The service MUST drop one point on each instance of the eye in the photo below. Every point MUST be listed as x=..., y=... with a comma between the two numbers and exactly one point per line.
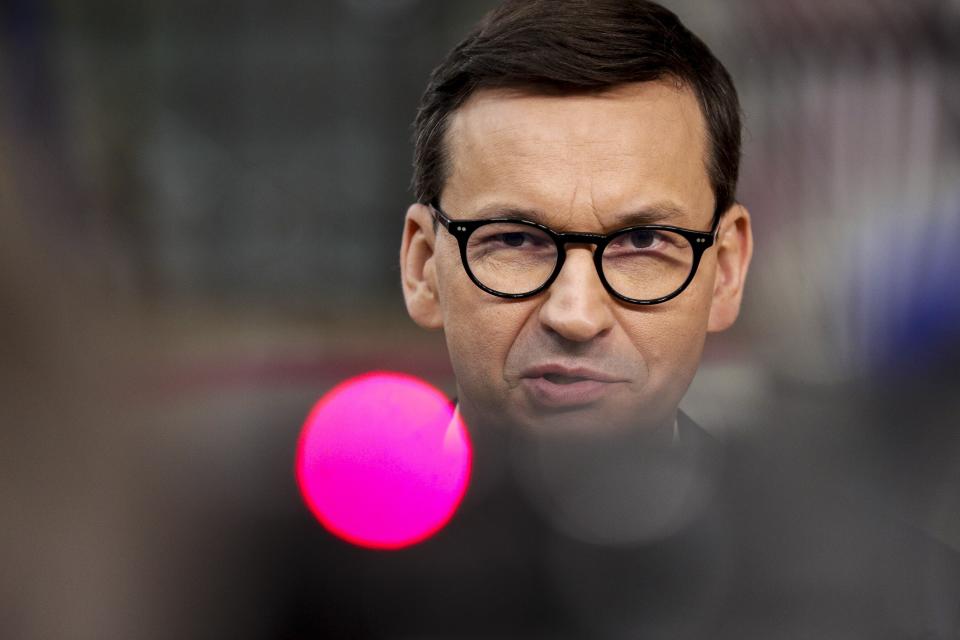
x=643, y=238
x=514, y=239
x=644, y=243
x=509, y=239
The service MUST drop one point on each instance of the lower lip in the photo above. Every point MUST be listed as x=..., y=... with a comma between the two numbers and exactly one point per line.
x=553, y=395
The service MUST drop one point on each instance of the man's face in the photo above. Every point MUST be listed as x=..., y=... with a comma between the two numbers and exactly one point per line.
x=571, y=357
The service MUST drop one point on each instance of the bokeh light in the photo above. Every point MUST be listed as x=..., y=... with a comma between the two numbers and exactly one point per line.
x=383, y=460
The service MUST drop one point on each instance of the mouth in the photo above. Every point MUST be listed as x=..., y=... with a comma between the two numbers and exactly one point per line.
x=559, y=378
x=560, y=387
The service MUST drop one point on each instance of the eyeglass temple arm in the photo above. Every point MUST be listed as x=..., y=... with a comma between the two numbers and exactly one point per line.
x=438, y=214
x=715, y=230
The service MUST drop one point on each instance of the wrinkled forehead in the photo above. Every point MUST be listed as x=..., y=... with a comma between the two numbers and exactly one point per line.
x=573, y=154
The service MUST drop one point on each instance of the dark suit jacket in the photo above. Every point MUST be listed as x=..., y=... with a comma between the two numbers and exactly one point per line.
x=692, y=433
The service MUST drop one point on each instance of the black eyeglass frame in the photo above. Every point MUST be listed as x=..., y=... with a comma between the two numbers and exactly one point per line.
x=700, y=241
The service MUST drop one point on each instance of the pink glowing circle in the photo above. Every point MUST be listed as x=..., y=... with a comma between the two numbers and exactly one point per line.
x=383, y=460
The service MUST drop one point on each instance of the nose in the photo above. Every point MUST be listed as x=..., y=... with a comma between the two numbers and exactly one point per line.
x=577, y=306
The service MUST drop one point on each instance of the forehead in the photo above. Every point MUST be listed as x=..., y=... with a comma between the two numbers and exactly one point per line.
x=581, y=159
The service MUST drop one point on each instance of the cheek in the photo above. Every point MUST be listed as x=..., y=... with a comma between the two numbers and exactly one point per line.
x=479, y=328
x=671, y=337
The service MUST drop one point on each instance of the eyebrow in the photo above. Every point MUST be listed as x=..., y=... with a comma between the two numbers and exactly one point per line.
x=656, y=213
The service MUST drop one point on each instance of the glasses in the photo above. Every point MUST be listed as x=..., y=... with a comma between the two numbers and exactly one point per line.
x=644, y=264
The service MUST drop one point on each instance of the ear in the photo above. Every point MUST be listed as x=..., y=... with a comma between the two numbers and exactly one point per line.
x=734, y=250
x=418, y=272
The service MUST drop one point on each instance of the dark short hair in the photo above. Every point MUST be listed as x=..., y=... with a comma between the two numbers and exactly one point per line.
x=578, y=46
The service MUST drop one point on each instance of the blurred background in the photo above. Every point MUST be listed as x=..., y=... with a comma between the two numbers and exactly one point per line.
x=200, y=213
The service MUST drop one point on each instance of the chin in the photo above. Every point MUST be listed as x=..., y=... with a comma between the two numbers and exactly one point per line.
x=520, y=413
x=595, y=420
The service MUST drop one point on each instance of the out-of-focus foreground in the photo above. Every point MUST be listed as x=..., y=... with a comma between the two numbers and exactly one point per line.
x=200, y=209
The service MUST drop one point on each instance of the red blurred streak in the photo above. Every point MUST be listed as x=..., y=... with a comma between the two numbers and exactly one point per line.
x=246, y=373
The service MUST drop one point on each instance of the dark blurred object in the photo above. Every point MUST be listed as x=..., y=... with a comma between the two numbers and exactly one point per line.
x=790, y=539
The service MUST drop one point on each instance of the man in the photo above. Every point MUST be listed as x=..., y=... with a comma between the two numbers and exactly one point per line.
x=576, y=233
x=576, y=236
